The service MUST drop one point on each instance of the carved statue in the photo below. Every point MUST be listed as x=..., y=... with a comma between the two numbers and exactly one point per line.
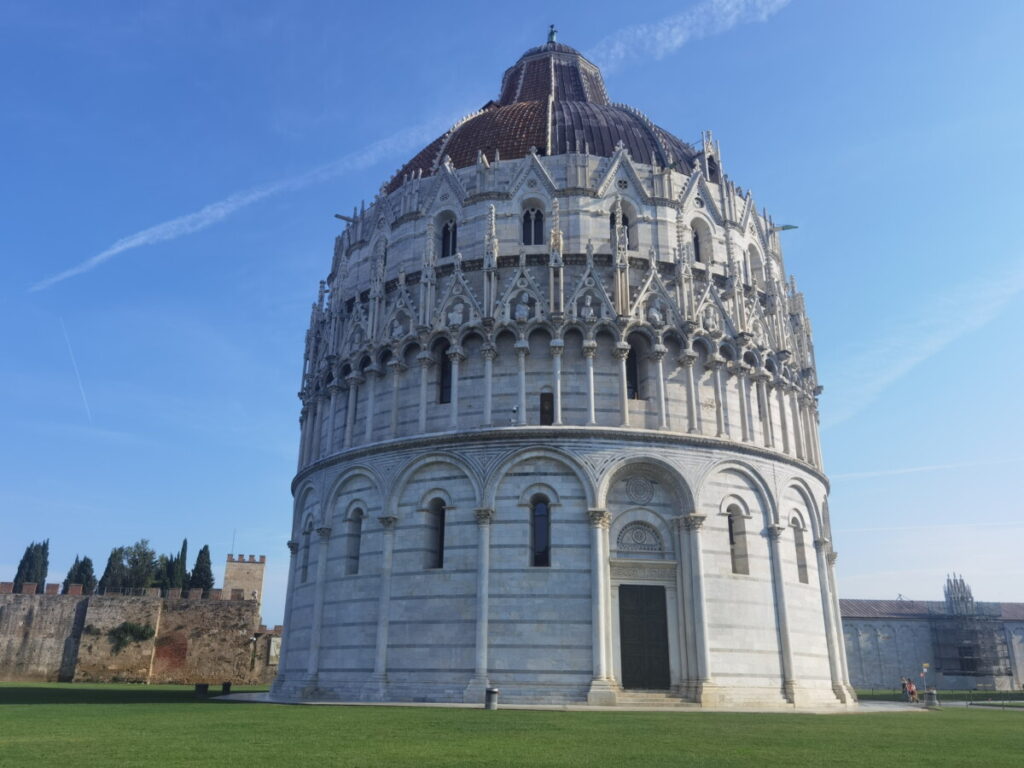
x=523, y=308
x=587, y=310
x=709, y=319
x=397, y=331
x=455, y=314
x=654, y=316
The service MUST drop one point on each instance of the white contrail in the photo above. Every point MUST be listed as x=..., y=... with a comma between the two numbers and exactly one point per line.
x=911, y=340
x=403, y=141
x=78, y=376
x=660, y=38
x=926, y=468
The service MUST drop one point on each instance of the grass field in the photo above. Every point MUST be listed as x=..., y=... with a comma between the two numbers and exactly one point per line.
x=131, y=725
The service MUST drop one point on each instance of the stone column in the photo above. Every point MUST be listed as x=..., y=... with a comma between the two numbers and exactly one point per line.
x=372, y=374
x=687, y=360
x=425, y=362
x=764, y=406
x=621, y=353
x=831, y=638
x=782, y=616
x=522, y=350
x=475, y=690
x=489, y=353
x=303, y=434
x=557, y=347
x=703, y=682
x=658, y=353
x=798, y=438
x=376, y=690
x=455, y=355
x=397, y=369
x=715, y=366
x=781, y=397
x=317, y=424
x=333, y=389
x=316, y=630
x=282, y=673
x=831, y=558
x=746, y=433
x=353, y=380
x=602, y=690
x=686, y=620
x=589, y=351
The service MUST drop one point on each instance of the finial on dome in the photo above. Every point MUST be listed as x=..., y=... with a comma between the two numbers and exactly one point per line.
x=552, y=33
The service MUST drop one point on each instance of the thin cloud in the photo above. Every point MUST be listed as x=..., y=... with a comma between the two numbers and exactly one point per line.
x=213, y=213
x=661, y=38
x=926, y=468
x=911, y=340
x=78, y=376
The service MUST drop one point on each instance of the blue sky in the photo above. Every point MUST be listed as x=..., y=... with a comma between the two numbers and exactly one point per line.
x=170, y=171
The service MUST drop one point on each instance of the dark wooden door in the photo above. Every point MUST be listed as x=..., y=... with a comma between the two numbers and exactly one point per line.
x=643, y=637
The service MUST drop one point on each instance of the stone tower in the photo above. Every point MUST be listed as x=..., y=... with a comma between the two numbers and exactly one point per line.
x=559, y=426
x=244, y=575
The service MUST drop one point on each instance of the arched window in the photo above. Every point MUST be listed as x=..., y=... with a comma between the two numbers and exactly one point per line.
x=540, y=531
x=533, y=227
x=697, y=254
x=354, y=540
x=701, y=239
x=449, y=239
x=444, y=374
x=801, y=554
x=435, y=534
x=737, y=541
x=306, y=535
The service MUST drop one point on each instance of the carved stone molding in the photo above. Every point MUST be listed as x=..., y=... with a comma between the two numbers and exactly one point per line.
x=775, y=531
x=599, y=517
x=387, y=522
x=324, y=533
x=641, y=571
x=484, y=515
x=821, y=543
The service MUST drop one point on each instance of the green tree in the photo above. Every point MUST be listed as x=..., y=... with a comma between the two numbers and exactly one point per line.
x=181, y=576
x=115, y=575
x=34, y=565
x=140, y=565
x=81, y=572
x=202, y=573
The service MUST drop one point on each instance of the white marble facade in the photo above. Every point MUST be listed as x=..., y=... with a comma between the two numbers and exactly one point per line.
x=653, y=389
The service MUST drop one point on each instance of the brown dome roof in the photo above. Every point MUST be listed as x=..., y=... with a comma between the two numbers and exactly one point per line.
x=580, y=118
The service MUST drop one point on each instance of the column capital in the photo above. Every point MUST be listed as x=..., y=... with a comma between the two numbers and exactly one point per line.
x=484, y=515
x=324, y=532
x=387, y=522
x=293, y=547
x=557, y=347
x=622, y=350
x=775, y=531
x=691, y=522
x=396, y=365
x=488, y=352
x=599, y=518
x=426, y=359
x=821, y=543
x=354, y=380
x=455, y=353
x=687, y=358
x=589, y=349
x=522, y=348
x=832, y=557
x=658, y=352
x=375, y=369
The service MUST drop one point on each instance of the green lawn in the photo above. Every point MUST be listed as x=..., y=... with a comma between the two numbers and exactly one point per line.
x=128, y=725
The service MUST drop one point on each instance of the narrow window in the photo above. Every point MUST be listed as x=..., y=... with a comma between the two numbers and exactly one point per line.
x=697, y=255
x=533, y=227
x=547, y=408
x=540, y=532
x=353, y=540
x=449, y=239
x=633, y=375
x=801, y=554
x=737, y=542
x=444, y=377
x=624, y=223
x=435, y=523
x=305, y=552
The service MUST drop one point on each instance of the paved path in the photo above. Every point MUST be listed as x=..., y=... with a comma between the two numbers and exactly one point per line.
x=865, y=708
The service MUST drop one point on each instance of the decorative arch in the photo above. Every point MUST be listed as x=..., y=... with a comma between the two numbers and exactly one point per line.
x=702, y=240
x=661, y=468
x=358, y=470
x=301, y=503
x=540, y=488
x=751, y=474
x=497, y=474
x=813, y=513
x=402, y=481
x=638, y=538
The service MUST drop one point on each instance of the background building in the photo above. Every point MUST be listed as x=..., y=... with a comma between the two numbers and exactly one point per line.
x=559, y=426
x=966, y=644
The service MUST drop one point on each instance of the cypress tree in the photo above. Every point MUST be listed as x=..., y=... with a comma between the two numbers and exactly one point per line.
x=86, y=576
x=72, y=577
x=181, y=576
x=115, y=575
x=34, y=565
x=202, y=573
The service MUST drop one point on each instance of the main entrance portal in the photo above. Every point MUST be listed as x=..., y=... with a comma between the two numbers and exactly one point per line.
x=643, y=637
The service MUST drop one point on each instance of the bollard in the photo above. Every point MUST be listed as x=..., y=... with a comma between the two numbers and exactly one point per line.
x=931, y=699
x=491, y=698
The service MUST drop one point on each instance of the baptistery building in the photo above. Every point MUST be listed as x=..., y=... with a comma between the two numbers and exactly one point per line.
x=559, y=427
